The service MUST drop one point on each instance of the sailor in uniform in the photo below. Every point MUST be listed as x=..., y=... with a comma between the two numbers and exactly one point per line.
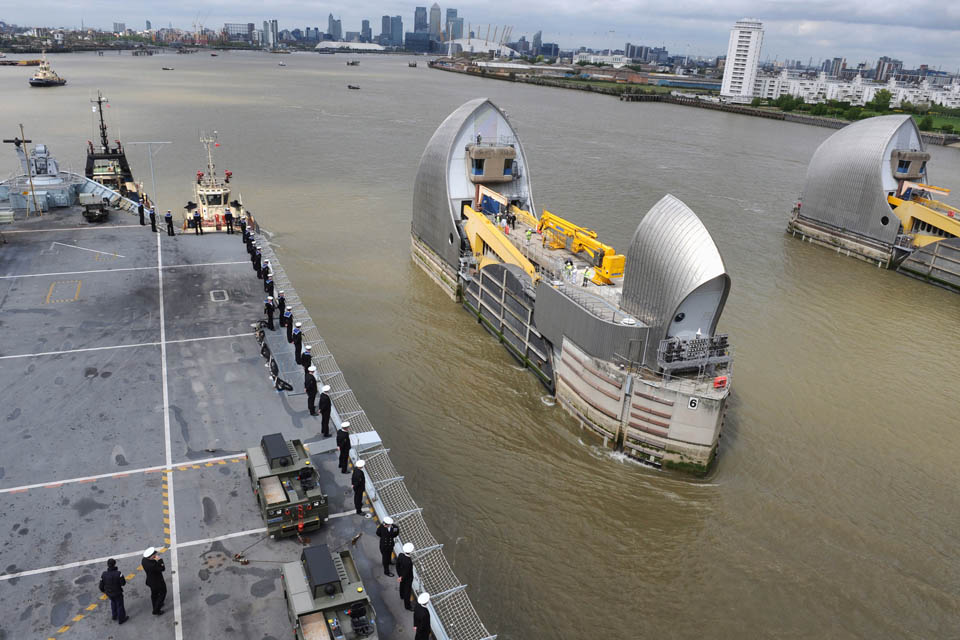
x=257, y=266
x=310, y=386
x=153, y=568
x=421, y=617
x=281, y=308
x=197, y=223
x=324, y=405
x=153, y=220
x=292, y=327
x=228, y=218
x=359, y=482
x=140, y=211
x=405, y=573
x=243, y=224
x=168, y=218
x=343, y=443
x=268, y=308
x=387, y=532
x=306, y=358
x=268, y=285
x=266, y=269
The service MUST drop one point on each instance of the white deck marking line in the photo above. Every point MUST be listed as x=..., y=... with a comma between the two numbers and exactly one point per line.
x=125, y=346
x=73, y=246
x=248, y=532
x=340, y=515
x=97, y=228
x=175, y=571
x=76, y=273
x=70, y=565
x=117, y=474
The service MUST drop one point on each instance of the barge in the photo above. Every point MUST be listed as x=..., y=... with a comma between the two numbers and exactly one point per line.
x=627, y=343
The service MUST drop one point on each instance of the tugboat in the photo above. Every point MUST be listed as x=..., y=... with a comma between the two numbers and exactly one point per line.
x=108, y=165
x=45, y=76
x=212, y=193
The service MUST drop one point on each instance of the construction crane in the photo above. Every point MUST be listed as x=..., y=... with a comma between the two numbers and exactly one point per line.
x=607, y=263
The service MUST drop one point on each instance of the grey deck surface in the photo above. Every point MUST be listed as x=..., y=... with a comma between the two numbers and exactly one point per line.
x=83, y=442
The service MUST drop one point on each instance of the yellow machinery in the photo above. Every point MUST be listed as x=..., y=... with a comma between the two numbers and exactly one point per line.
x=925, y=220
x=607, y=263
x=490, y=246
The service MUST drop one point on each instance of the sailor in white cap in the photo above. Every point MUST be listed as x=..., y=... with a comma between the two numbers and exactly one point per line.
x=343, y=442
x=153, y=570
x=405, y=574
x=421, y=617
x=325, y=411
x=295, y=336
x=387, y=532
x=310, y=386
x=359, y=482
x=306, y=358
x=281, y=307
x=257, y=261
x=268, y=308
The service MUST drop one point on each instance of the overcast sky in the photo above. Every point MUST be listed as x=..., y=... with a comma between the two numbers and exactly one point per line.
x=915, y=31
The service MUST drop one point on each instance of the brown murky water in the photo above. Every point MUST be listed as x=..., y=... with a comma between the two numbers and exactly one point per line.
x=833, y=510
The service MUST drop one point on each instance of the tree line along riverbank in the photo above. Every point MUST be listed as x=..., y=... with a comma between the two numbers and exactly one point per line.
x=656, y=93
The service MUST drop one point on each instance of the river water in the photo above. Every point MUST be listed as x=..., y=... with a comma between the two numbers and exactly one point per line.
x=833, y=510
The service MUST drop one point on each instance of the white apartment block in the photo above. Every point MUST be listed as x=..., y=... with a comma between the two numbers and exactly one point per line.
x=616, y=61
x=743, y=59
x=858, y=91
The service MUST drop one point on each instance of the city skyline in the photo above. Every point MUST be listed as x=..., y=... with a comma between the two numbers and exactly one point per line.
x=795, y=30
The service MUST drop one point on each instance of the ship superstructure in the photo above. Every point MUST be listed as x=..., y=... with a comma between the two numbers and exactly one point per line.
x=628, y=343
x=868, y=195
x=106, y=163
x=212, y=193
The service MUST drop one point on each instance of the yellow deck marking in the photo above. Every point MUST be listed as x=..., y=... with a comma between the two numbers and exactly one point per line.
x=53, y=285
x=62, y=629
x=92, y=607
x=77, y=618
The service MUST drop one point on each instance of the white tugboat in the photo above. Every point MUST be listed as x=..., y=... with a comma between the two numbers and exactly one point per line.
x=212, y=194
x=45, y=76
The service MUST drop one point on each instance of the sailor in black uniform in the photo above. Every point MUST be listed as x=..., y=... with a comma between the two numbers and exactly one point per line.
x=324, y=405
x=197, y=223
x=228, y=218
x=268, y=308
x=111, y=585
x=359, y=482
x=153, y=569
x=310, y=386
x=243, y=224
x=257, y=266
x=140, y=211
x=268, y=285
x=267, y=271
x=281, y=308
x=405, y=573
x=306, y=358
x=343, y=443
x=168, y=218
x=387, y=532
x=297, y=338
x=153, y=220
x=292, y=327
x=248, y=240
x=421, y=617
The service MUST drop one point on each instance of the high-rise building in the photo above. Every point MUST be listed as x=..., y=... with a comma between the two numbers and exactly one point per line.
x=366, y=34
x=887, y=68
x=435, y=20
x=396, y=31
x=334, y=29
x=537, y=43
x=837, y=67
x=420, y=24
x=238, y=31
x=274, y=34
x=149, y=26
x=450, y=17
x=385, y=31
x=743, y=59
x=119, y=27
x=454, y=28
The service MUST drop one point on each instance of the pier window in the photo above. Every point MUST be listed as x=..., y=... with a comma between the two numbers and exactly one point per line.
x=478, y=166
x=508, y=167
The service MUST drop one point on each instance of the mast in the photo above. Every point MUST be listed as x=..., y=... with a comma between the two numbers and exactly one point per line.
x=209, y=143
x=105, y=144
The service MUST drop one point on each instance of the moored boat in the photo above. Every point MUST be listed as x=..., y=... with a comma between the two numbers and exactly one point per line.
x=212, y=194
x=106, y=163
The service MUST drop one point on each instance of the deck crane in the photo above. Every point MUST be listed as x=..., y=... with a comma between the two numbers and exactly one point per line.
x=607, y=263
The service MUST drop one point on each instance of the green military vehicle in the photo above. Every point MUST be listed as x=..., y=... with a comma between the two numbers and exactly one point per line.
x=287, y=487
x=325, y=597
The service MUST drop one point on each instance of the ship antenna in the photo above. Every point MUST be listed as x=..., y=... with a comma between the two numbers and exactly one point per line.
x=209, y=142
x=103, y=125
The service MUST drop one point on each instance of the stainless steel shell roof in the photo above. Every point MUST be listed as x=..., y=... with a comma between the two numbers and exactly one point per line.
x=671, y=254
x=845, y=178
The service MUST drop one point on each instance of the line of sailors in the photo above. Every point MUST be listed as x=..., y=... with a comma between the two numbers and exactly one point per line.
x=388, y=530
x=197, y=220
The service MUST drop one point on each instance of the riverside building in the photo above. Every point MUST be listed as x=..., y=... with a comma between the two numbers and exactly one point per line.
x=743, y=58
